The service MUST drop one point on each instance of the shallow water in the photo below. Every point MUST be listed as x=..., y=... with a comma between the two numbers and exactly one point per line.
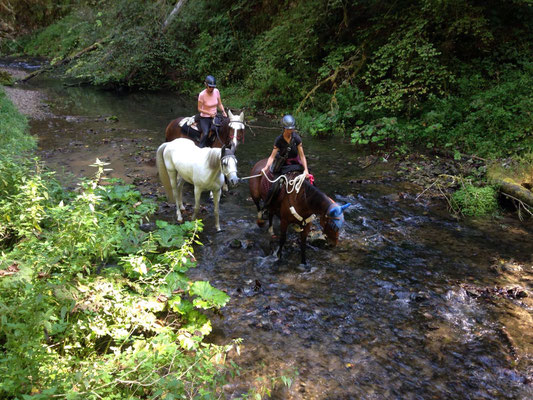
x=391, y=313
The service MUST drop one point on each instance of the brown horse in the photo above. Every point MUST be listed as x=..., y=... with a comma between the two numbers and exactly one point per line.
x=229, y=133
x=294, y=206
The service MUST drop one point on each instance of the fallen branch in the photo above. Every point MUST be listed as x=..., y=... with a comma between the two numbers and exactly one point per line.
x=516, y=192
x=65, y=60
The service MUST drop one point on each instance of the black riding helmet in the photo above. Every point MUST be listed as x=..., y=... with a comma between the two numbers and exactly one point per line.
x=210, y=81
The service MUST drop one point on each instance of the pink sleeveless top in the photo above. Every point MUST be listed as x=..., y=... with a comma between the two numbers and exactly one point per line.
x=210, y=101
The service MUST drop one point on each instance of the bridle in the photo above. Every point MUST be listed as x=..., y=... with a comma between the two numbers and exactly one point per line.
x=236, y=126
x=224, y=161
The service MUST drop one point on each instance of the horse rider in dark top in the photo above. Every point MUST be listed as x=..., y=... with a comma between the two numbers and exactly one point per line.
x=208, y=102
x=287, y=155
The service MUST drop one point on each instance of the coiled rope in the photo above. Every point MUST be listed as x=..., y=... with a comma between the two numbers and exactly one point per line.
x=296, y=183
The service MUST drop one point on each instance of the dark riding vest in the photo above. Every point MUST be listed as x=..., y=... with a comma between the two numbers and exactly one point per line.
x=287, y=152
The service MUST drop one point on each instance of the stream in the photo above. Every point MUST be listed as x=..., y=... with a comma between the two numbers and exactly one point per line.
x=412, y=303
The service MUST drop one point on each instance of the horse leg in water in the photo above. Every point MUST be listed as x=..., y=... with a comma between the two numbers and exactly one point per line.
x=197, y=196
x=270, y=225
x=179, y=203
x=283, y=225
x=176, y=192
x=303, y=242
x=216, y=202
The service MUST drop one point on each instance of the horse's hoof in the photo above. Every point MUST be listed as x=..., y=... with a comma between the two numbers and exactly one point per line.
x=220, y=230
x=260, y=222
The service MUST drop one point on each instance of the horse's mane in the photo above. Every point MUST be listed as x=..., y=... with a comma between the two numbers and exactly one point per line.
x=316, y=198
x=213, y=158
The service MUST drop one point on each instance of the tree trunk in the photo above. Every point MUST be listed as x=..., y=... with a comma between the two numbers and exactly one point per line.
x=173, y=13
x=516, y=191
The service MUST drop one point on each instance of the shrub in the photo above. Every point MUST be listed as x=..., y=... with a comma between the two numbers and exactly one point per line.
x=91, y=307
x=474, y=201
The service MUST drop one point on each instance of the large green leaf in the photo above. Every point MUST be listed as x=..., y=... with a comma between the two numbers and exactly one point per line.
x=208, y=295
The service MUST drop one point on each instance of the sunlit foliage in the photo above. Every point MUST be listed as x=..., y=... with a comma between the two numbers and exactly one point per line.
x=91, y=306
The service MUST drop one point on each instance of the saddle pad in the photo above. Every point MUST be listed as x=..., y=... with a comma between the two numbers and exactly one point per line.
x=265, y=184
x=189, y=121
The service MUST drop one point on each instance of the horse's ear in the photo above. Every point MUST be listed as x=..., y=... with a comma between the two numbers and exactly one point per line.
x=241, y=116
x=230, y=113
x=344, y=207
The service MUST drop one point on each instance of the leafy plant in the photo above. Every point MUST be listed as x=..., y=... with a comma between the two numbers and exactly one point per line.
x=91, y=307
x=474, y=201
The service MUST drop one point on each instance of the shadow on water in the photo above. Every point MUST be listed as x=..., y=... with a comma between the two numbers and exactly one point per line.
x=391, y=313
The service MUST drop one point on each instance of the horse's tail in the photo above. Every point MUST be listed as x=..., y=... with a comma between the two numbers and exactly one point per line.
x=163, y=173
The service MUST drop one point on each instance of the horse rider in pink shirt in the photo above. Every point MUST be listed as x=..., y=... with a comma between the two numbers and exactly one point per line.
x=208, y=102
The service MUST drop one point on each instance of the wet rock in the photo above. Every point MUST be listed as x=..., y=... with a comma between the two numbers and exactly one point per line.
x=419, y=297
x=235, y=244
x=317, y=238
x=247, y=244
x=148, y=227
x=509, y=267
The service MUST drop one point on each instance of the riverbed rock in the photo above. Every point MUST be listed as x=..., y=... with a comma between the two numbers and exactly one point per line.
x=317, y=238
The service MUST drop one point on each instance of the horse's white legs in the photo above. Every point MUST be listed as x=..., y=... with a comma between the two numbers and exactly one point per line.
x=197, y=196
x=181, y=182
x=172, y=174
x=216, y=201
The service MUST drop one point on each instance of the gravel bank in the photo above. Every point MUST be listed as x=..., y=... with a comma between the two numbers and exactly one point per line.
x=29, y=102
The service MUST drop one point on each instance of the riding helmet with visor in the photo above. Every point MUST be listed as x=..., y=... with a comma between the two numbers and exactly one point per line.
x=288, y=122
x=210, y=81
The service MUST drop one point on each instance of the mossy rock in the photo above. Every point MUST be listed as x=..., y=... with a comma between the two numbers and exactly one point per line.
x=6, y=79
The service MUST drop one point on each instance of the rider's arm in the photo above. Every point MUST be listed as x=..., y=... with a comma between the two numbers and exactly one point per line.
x=270, y=159
x=201, y=107
x=221, y=106
x=303, y=160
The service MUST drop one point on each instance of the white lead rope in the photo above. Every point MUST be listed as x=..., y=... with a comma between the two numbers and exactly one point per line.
x=296, y=183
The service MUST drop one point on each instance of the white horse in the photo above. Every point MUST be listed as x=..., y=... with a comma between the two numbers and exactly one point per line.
x=182, y=161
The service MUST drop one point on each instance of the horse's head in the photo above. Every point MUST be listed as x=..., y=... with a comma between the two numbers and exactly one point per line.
x=228, y=162
x=332, y=222
x=236, y=127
